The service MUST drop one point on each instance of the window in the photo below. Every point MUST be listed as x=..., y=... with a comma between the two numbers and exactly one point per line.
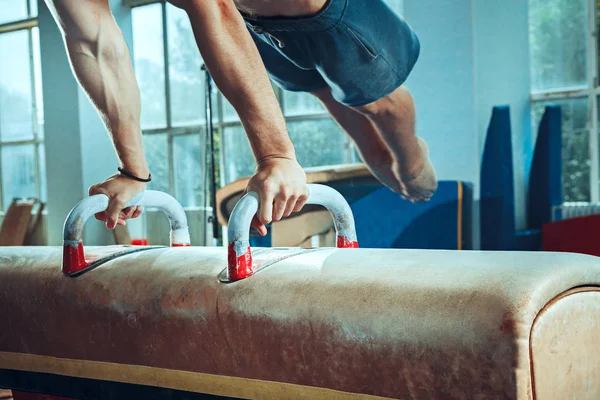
x=172, y=86
x=563, y=49
x=22, y=165
x=317, y=139
x=167, y=65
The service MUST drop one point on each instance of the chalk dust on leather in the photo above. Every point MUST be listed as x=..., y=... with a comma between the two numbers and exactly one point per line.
x=360, y=322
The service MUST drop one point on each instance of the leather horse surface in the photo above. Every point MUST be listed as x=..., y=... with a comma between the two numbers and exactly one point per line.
x=326, y=323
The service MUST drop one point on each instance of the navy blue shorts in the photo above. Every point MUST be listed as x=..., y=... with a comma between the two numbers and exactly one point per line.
x=361, y=49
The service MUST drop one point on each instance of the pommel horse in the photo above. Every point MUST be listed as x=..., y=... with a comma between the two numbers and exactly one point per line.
x=182, y=322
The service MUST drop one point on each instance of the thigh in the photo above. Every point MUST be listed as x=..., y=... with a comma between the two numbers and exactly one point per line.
x=284, y=72
x=368, y=54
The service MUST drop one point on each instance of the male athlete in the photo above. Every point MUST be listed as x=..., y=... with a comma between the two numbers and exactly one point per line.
x=353, y=55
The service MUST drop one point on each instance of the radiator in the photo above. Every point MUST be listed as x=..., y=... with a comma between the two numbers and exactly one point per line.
x=574, y=210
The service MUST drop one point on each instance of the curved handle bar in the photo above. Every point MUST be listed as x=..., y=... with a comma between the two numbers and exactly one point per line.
x=239, y=256
x=73, y=255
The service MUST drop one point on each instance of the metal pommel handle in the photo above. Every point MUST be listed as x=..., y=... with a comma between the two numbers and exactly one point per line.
x=73, y=256
x=239, y=255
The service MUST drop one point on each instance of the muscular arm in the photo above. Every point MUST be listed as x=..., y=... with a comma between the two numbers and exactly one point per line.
x=101, y=63
x=235, y=64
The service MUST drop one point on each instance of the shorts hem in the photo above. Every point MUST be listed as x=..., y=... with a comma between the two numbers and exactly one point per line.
x=372, y=99
x=310, y=89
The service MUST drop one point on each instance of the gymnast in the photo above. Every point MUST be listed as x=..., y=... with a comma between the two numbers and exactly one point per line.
x=353, y=55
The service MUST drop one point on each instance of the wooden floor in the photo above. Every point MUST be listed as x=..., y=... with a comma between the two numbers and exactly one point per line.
x=5, y=394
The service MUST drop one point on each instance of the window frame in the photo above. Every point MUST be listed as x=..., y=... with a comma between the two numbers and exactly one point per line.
x=219, y=124
x=28, y=24
x=591, y=91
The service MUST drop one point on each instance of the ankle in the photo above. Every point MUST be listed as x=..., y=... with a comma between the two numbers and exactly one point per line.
x=413, y=163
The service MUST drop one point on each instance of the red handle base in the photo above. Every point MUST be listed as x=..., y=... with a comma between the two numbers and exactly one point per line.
x=73, y=259
x=344, y=243
x=239, y=266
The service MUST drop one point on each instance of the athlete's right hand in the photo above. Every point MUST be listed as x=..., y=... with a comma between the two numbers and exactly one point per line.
x=281, y=187
x=120, y=190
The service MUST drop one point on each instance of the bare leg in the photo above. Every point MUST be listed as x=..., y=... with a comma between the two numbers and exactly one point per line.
x=394, y=119
x=362, y=131
x=384, y=163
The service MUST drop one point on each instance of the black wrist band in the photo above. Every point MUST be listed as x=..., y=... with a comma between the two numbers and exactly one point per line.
x=129, y=175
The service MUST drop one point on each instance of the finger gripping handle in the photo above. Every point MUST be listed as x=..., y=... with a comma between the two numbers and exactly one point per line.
x=73, y=254
x=239, y=256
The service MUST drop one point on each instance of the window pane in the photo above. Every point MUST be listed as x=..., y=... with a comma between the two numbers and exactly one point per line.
x=18, y=172
x=598, y=133
x=15, y=87
x=238, y=159
x=215, y=95
x=42, y=172
x=12, y=10
x=149, y=64
x=229, y=113
x=558, y=43
x=185, y=77
x=596, y=35
x=157, y=153
x=37, y=70
x=317, y=142
x=575, y=146
x=33, y=8
x=296, y=103
x=190, y=179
